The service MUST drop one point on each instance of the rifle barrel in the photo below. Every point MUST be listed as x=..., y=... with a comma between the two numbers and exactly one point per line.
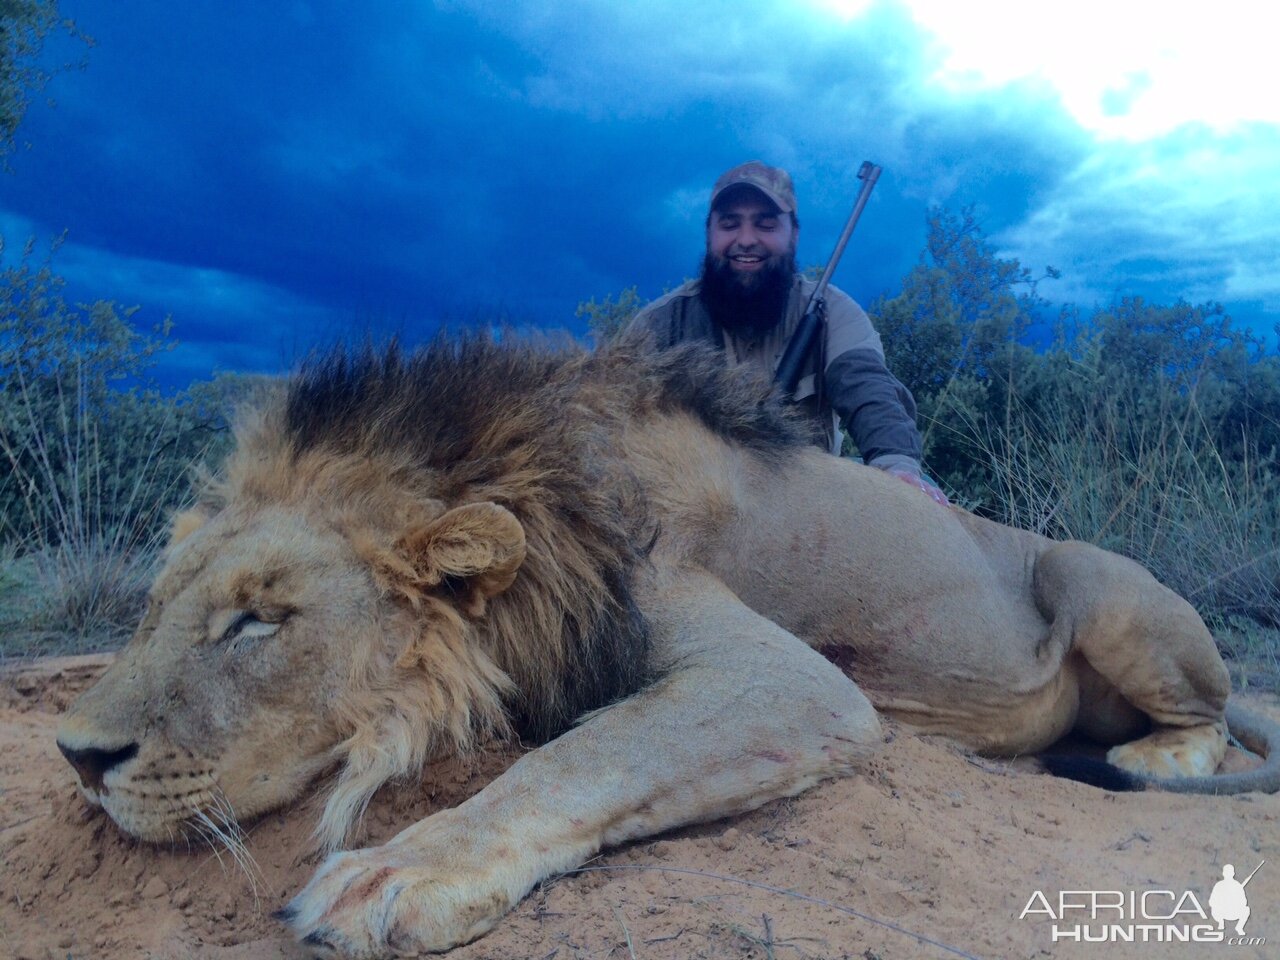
x=787, y=375
x=868, y=173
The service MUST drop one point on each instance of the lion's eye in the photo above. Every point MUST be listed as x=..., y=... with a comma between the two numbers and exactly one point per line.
x=249, y=626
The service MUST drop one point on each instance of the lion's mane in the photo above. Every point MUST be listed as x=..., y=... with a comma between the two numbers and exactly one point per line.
x=533, y=427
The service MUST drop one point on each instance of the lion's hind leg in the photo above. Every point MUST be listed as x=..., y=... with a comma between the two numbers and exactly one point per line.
x=1147, y=652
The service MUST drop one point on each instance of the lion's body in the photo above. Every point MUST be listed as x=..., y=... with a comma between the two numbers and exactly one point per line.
x=956, y=636
x=405, y=554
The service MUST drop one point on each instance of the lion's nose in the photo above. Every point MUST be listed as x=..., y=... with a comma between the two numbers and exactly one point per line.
x=93, y=764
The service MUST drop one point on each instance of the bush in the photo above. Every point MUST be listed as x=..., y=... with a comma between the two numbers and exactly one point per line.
x=607, y=317
x=95, y=461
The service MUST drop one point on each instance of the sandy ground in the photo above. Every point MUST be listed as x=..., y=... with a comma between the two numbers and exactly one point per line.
x=929, y=854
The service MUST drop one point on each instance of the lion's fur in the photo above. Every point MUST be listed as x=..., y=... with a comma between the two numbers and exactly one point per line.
x=472, y=534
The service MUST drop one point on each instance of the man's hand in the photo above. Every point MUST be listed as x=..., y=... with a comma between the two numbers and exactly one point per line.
x=921, y=483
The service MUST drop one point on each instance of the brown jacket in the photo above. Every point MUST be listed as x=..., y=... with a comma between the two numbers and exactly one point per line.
x=856, y=389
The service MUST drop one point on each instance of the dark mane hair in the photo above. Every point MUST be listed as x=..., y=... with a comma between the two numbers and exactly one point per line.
x=528, y=425
x=439, y=402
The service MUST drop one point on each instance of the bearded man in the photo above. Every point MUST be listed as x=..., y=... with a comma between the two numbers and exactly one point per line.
x=748, y=301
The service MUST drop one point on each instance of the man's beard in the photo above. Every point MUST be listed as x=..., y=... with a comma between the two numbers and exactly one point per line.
x=747, y=304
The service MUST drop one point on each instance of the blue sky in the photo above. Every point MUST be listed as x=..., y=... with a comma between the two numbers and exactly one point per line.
x=279, y=175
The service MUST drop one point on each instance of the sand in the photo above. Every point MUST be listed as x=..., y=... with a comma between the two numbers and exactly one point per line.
x=929, y=853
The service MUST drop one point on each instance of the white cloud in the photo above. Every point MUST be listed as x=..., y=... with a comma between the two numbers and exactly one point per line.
x=1197, y=213
x=1124, y=69
x=687, y=206
x=178, y=287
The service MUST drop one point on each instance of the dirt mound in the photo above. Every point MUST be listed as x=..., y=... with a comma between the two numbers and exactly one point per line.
x=929, y=854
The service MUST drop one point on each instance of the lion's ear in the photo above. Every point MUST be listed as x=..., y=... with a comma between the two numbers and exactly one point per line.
x=471, y=552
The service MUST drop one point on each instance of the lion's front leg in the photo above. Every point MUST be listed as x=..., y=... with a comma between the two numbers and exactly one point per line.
x=742, y=713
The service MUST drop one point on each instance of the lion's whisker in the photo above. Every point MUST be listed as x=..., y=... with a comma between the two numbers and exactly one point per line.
x=200, y=824
x=231, y=834
x=221, y=833
x=218, y=838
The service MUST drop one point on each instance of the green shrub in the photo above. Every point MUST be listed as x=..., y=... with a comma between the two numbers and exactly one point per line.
x=95, y=461
x=607, y=317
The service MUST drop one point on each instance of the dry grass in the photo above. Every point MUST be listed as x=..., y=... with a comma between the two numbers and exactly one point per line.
x=1153, y=487
x=82, y=540
x=66, y=600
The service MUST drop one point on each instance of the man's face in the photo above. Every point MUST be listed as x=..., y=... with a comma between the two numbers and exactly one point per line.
x=747, y=237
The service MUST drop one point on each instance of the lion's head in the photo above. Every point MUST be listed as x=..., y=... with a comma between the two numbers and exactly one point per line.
x=402, y=554
x=281, y=642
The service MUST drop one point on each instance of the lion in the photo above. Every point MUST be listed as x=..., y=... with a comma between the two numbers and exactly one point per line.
x=633, y=559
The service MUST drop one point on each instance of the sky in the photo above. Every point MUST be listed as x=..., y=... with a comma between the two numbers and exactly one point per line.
x=277, y=176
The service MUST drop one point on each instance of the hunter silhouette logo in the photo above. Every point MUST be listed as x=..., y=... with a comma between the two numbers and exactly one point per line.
x=1228, y=900
x=1148, y=916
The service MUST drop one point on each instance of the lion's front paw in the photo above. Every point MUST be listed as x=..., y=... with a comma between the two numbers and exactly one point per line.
x=1172, y=752
x=391, y=901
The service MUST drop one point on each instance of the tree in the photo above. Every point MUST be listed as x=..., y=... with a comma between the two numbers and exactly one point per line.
x=608, y=316
x=87, y=448
x=24, y=26
x=954, y=336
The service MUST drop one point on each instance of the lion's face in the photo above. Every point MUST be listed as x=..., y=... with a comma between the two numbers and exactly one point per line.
x=277, y=645
x=229, y=684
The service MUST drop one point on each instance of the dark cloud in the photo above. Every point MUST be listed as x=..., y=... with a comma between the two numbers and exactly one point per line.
x=310, y=169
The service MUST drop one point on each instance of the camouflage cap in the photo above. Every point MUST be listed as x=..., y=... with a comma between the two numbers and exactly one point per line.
x=773, y=182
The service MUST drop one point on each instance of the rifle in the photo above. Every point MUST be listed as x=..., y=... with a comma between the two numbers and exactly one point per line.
x=787, y=376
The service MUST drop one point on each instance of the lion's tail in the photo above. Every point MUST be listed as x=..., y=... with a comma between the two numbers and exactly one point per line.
x=1254, y=731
